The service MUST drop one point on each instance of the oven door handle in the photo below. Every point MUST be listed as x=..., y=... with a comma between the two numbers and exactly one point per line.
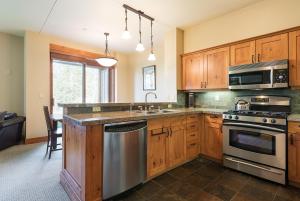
x=255, y=166
x=253, y=126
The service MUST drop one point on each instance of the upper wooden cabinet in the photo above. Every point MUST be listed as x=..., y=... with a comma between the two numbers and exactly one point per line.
x=294, y=58
x=272, y=48
x=192, y=71
x=243, y=53
x=262, y=50
x=216, y=64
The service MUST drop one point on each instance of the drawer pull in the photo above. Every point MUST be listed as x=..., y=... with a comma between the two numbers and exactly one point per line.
x=193, y=135
x=193, y=144
x=163, y=131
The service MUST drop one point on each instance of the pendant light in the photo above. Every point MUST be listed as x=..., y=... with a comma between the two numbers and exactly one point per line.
x=106, y=61
x=126, y=34
x=151, y=56
x=140, y=46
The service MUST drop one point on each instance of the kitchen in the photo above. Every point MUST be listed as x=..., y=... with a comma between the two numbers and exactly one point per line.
x=207, y=112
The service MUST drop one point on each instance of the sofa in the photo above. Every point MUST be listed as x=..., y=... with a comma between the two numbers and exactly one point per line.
x=11, y=127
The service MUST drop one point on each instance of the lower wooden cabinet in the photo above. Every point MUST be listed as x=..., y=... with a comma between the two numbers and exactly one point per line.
x=294, y=152
x=166, y=141
x=212, y=137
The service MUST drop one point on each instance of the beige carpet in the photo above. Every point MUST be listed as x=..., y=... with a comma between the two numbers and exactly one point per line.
x=27, y=175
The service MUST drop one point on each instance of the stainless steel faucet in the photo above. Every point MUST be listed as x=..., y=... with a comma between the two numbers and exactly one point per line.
x=146, y=98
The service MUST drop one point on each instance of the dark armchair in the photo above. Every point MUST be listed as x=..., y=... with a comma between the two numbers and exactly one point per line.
x=11, y=127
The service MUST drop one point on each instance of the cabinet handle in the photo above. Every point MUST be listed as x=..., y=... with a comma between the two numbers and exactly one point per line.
x=193, y=135
x=171, y=132
x=253, y=58
x=292, y=139
x=258, y=57
x=193, y=144
x=201, y=84
x=205, y=84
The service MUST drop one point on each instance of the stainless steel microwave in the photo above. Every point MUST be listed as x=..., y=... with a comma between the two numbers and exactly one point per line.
x=262, y=75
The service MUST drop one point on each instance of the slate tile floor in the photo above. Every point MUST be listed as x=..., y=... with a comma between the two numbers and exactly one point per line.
x=203, y=180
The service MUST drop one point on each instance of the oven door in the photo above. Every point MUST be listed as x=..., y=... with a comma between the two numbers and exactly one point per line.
x=250, y=80
x=255, y=144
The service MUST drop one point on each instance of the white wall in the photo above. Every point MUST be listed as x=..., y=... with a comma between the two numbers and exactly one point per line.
x=11, y=73
x=257, y=19
x=37, y=77
x=168, y=67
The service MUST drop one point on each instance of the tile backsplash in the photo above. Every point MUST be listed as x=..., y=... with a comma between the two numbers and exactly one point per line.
x=225, y=99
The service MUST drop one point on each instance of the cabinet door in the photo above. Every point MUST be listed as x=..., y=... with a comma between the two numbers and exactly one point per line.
x=243, y=53
x=216, y=64
x=294, y=58
x=157, y=152
x=192, y=71
x=294, y=157
x=213, y=140
x=177, y=144
x=272, y=48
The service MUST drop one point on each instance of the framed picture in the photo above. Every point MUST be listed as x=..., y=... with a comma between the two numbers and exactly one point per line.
x=149, y=78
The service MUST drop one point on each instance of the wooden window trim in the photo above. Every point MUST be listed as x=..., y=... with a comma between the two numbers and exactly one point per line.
x=86, y=58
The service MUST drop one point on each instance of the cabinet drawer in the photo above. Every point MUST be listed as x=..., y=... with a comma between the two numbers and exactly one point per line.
x=154, y=124
x=294, y=127
x=212, y=118
x=192, y=127
x=175, y=121
x=192, y=150
x=192, y=118
x=192, y=136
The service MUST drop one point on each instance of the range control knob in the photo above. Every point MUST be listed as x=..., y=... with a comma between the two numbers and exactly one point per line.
x=273, y=121
x=229, y=116
x=264, y=120
x=236, y=117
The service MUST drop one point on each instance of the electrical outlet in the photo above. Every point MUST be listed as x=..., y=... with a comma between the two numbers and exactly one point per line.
x=96, y=109
x=217, y=98
x=169, y=105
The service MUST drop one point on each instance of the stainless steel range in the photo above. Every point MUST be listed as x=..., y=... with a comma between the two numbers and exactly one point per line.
x=255, y=137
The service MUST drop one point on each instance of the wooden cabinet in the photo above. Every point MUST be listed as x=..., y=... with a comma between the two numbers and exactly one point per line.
x=166, y=144
x=294, y=152
x=272, y=48
x=216, y=63
x=243, y=53
x=192, y=71
x=212, y=138
x=262, y=50
x=193, y=129
x=294, y=58
x=176, y=146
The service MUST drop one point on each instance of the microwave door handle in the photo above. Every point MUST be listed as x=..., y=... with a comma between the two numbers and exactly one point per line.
x=271, y=76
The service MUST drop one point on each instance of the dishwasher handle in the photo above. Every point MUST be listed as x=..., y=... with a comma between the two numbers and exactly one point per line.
x=125, y=127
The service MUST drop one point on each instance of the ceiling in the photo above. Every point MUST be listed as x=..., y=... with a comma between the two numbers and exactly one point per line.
x=85, y=21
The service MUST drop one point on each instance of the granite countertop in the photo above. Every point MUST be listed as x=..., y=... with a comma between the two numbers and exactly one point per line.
x=112, y=117
x=294, y=117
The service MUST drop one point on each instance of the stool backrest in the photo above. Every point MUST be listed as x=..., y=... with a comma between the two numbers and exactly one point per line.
x=47, y=118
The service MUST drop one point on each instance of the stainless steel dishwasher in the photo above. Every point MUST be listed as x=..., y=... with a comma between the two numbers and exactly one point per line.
x=124, y=157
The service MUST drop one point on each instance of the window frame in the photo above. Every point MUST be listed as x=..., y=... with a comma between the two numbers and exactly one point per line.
x=86, y=62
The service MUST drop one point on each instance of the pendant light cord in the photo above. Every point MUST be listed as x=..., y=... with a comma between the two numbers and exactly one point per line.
x=126, y=29
x=140, y=22
x=106, y=44
x=151, y=37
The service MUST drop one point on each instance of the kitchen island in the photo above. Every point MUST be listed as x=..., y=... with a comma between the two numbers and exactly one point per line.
x=81, y=174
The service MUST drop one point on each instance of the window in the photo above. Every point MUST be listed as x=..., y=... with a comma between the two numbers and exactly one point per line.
x=77, y=82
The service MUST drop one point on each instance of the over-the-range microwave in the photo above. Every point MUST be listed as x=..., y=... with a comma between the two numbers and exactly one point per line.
x=264, y=75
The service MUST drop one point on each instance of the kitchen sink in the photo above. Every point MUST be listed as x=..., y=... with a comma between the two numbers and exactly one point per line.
x=155, y=111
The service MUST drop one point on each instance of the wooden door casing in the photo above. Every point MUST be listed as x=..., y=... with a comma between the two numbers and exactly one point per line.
x=272, y=48
x=294, y=58
x=243, y=53
x=216, y=63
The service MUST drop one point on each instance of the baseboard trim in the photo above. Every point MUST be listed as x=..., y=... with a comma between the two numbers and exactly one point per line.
x=36, y=140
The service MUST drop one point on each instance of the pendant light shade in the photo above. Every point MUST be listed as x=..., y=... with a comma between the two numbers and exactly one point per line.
x=126, y=34
x=151, y=57
x=106, y=61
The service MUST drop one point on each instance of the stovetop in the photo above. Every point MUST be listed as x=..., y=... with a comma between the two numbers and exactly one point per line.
x=254, y=113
